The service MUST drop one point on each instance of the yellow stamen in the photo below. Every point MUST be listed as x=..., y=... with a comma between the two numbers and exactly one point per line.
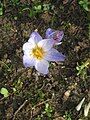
x=38, y=52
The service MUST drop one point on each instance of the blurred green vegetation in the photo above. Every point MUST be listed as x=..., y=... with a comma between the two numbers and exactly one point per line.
x=85, y=4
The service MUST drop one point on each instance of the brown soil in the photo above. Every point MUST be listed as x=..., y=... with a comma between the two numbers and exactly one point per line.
x=61, y=88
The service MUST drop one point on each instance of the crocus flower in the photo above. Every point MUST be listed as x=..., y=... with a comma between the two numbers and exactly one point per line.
x=56, y=35
x=38, y=51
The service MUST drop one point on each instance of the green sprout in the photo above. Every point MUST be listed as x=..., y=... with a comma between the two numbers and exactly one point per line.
x=48, y=110
x=46, y=7
x=38, y=118
x=7, y=67
x=85, y=4
x=41, y=95
x=15, y=2
x=67, y=116
x=4, y=92
x=82, y=69
x=1, y=9
x=37, y=8
x=17, y=86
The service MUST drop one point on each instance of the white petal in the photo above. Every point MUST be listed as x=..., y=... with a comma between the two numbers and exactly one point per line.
x=35, y=38
x=42, y=66
x=27, y=46
x=28, y=61
x=47, y=44
x=54, y=55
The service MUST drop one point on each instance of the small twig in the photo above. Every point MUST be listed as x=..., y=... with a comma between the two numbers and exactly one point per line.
x=2, y=99
x=32, y=108
x=40, y=104
x=19, y=109
x=37, y=105
x=1, y=62
x=39, y=25
x=32, y=71
x=42, y=86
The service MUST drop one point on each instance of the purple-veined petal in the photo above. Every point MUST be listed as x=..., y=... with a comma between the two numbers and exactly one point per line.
x=42, y=66
x=35, y=37
x=57, y=35
x=48, y=32
x=54, y=55
x=28, y=61
x=46, y=44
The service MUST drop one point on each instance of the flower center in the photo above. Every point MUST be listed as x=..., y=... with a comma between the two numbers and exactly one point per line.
x=38, y=52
